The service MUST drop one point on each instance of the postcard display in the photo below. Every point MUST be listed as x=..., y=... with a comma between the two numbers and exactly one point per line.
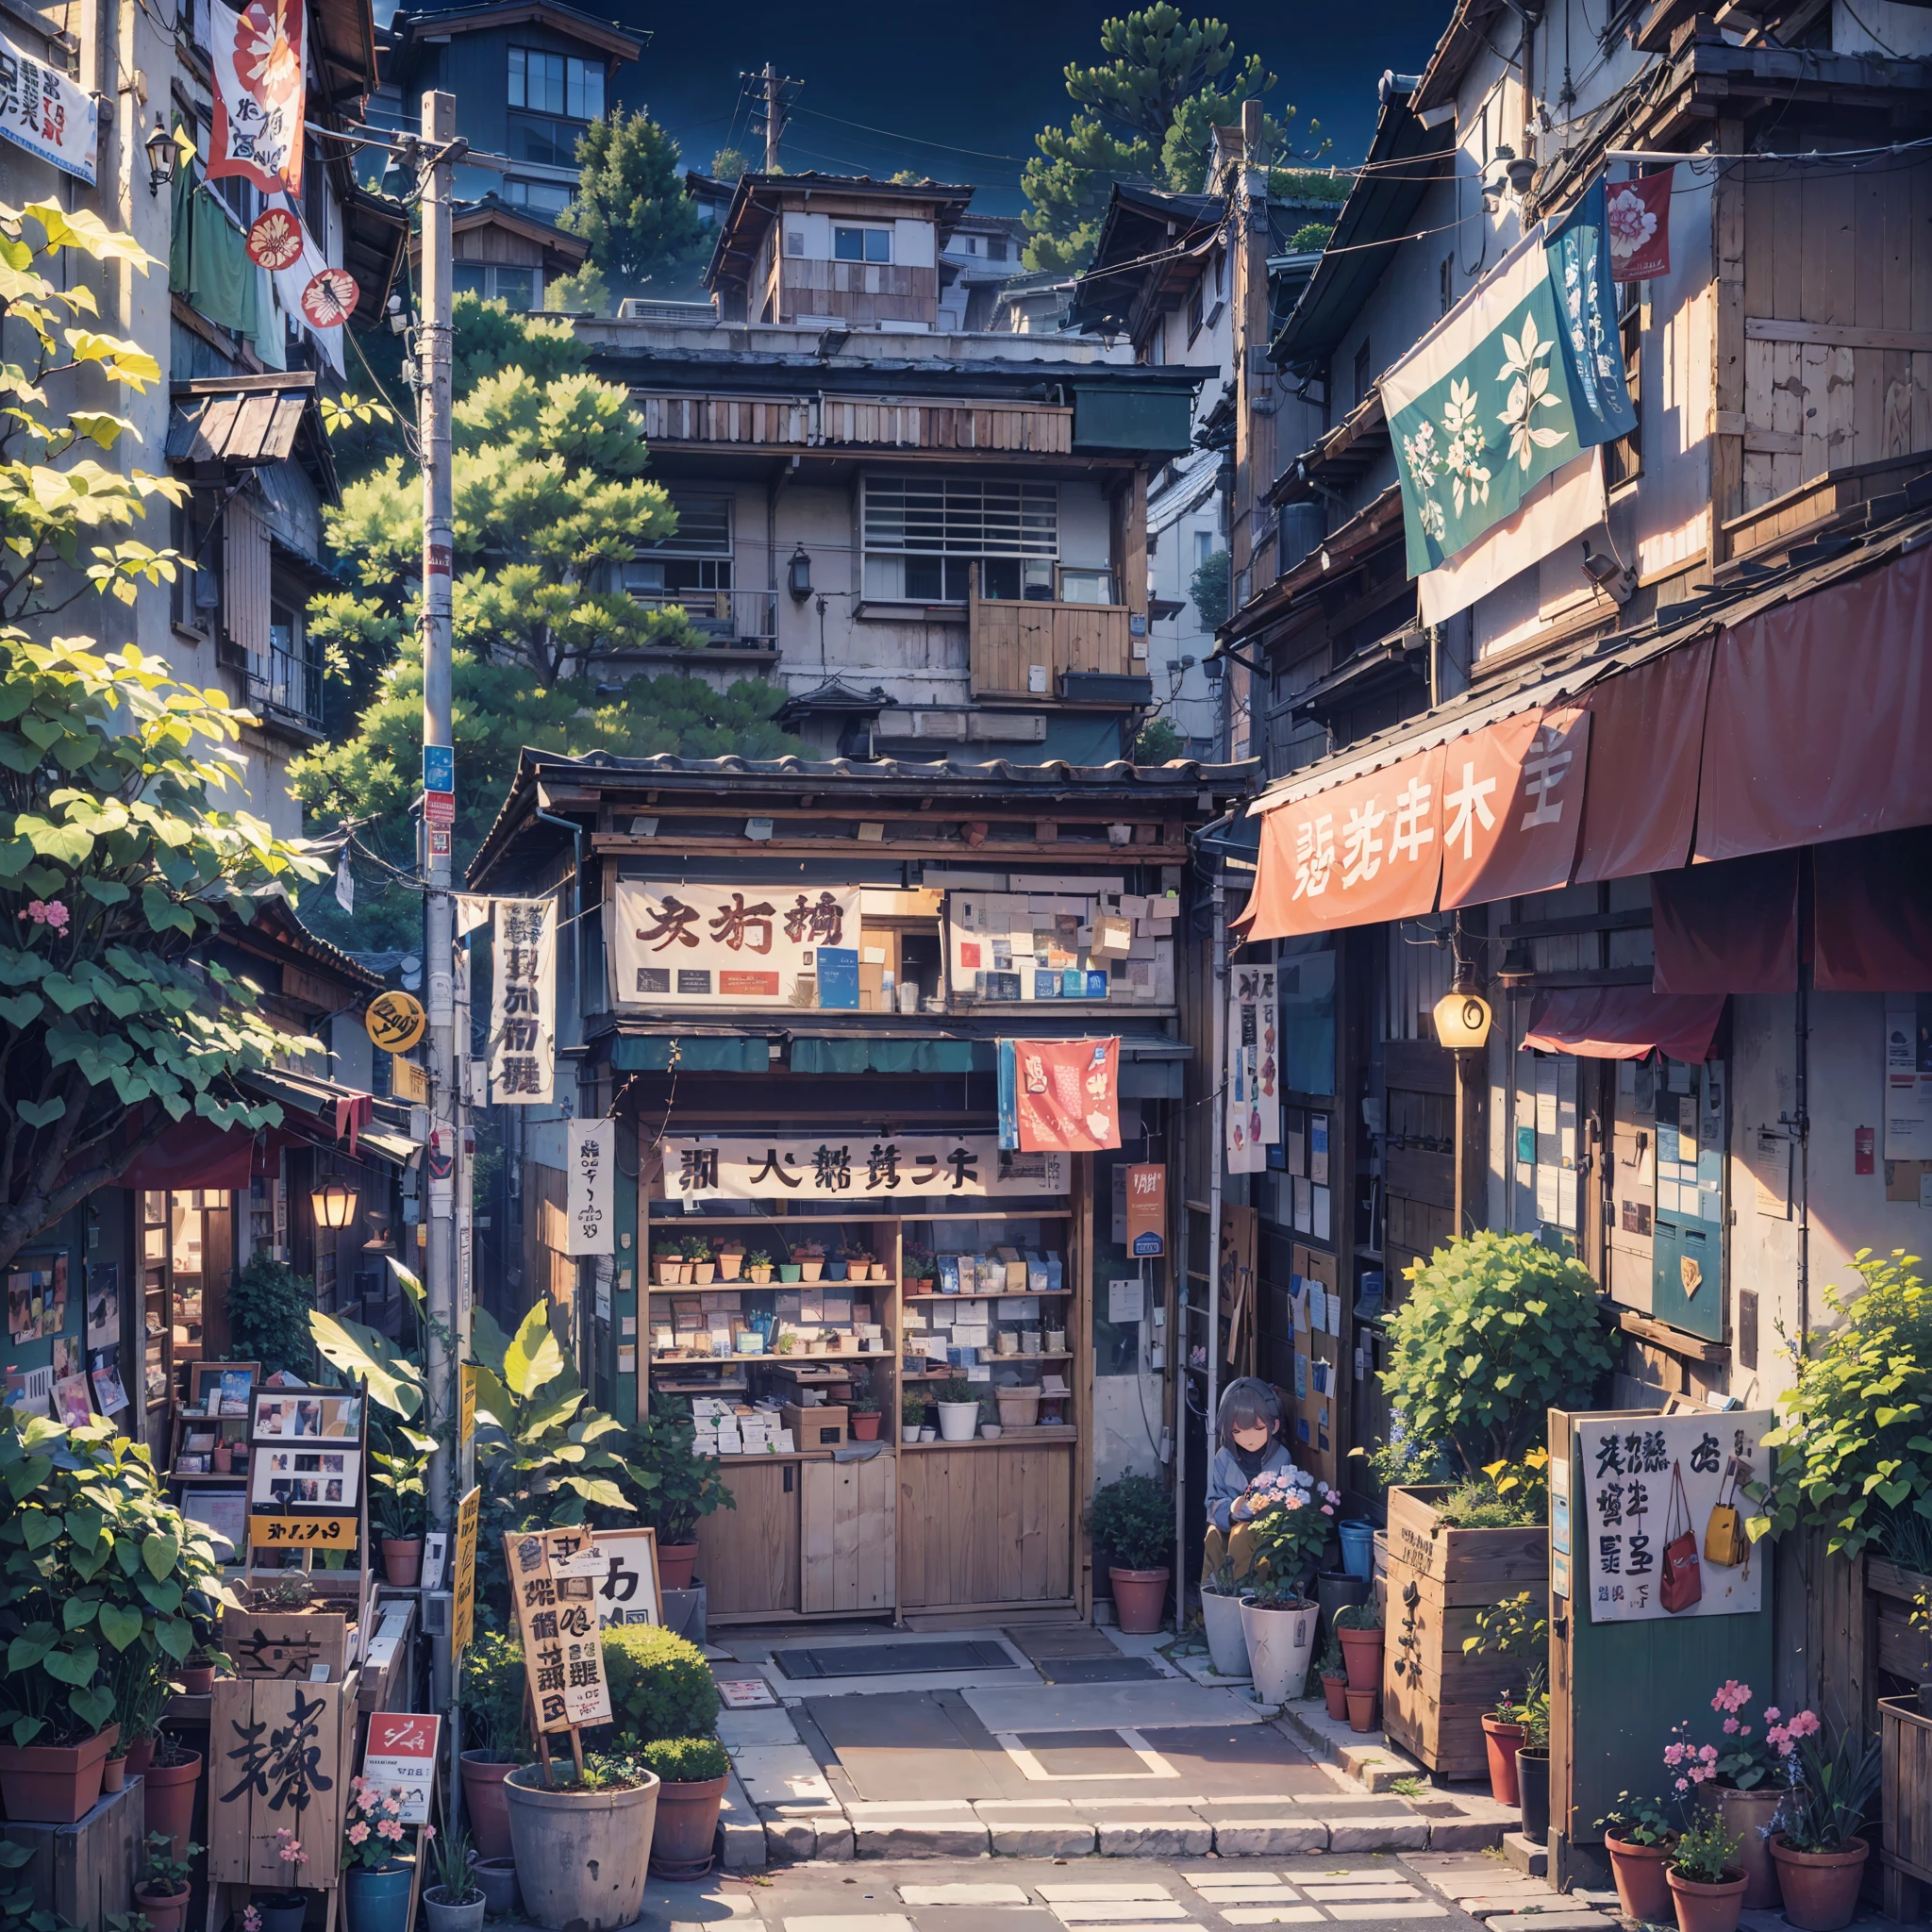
x=63, y=1334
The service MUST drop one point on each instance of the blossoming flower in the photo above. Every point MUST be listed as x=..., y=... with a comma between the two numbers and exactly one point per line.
x=358, y=1833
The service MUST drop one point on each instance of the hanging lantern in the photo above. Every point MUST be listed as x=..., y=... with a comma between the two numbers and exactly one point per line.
x=334, y=1203
x=1462, y=1015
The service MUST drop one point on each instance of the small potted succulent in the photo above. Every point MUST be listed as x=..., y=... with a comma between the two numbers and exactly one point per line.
x=810, y=1258
x=990, y=1427
x=669, y=1259
x=1638, y=1835
x=959, y=1409
x=163, y=1890
x=456, y=1902
x=698, y=1255
x=836, y=1265
x=730, y=1258
x=693, y=1773
x=757, y=1265
x=784, y=1342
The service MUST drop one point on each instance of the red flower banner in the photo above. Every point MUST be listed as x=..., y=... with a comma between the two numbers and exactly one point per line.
x=1060, y=1095
x=1639, y=216
x=260, y=59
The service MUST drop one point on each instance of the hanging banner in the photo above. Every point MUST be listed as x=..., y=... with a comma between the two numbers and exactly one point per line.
x=46, y=113
x=1060, y=1095
x=768, y=1167
x=522, y=1003
x=1253, y=1107
x=590, y=1171
x=1147, y=1211
x=1525, y=372
x=1665, y=1534
x=735, y=946
x=1638, y=214
x=260, y=61
x=1512, y=795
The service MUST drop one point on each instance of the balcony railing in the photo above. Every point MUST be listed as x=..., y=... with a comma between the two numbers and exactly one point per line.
x=1022, y=649
x=286, y=686
x=744, y=619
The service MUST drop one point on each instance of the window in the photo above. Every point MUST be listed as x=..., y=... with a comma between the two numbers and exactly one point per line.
x=555, y=84
x=1204, y=547
x=1196, y=306
x=923, y=534
x=520, y=288
x=541, y=197
x=861, y=245
x=795, y=242
x=995, y=250
x=1087, y=586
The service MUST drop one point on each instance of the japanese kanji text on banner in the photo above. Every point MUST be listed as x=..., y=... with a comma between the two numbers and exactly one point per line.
x=855, y=1167
x=730, y=946
x=554, y=1575
x=523, y=1003
x=590, y=1152
x=260, y=61
x=1254, y=1068
x=46, y=113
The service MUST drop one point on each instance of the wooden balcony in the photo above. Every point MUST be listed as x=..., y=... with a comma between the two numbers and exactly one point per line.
x=675, y=419
x=1024, y=650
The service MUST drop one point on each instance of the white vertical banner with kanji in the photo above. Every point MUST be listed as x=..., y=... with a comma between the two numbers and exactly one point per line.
x=589, y=1164
x=523, y=1003
x=261, y=62
x=1254, y=1068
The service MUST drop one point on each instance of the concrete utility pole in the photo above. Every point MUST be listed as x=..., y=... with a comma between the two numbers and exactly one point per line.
x=443, y=1158
x=775, y=85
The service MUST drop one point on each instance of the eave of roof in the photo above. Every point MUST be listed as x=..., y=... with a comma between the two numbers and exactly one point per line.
x=345, y=47
x=1372, y=527
x=1145, y=237
x=415, y=27
x=948, y=201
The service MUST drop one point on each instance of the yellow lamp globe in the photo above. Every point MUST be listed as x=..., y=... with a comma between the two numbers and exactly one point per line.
x=1462, y=1018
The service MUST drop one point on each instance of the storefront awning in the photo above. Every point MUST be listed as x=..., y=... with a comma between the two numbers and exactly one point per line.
x=195, y=1153
x=863, y=1056
x=1623, y=1023
x=652, y=1054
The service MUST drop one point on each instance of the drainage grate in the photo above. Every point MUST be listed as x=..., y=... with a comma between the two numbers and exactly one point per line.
x=894, y=1659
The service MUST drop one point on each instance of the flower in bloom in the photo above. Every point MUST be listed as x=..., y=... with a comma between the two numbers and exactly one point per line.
x=46, y=912
x=358, y=1833
x=1805, y=1724
x=1731, y=1696
x=389, y=1829
x=1730, y=1726
x=1674, y=1754
x=1772, y=1713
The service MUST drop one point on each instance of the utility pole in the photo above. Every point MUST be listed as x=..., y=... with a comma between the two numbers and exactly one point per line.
x=772, y=85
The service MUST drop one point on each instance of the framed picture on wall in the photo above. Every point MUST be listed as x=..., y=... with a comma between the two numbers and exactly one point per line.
x=229, y=1385
x=325, y=1477
x=288, y=1414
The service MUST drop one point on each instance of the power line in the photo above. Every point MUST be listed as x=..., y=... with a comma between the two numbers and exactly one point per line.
x=918, y=140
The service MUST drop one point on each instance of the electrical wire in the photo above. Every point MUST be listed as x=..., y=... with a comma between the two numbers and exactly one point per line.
x=918, y=140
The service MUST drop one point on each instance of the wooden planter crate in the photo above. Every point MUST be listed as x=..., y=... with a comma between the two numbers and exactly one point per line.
x=84, y=1873
x=1433, y=1696
x=1905, y=1738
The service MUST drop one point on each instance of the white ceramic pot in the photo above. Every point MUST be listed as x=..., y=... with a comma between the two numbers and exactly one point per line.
x=990, y=1432
x=958, y=1421
x=928, y=1434
x=1227, y=1641
x=1280, y=1643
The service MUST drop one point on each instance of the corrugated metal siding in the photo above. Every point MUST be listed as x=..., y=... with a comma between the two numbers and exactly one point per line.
x=245, y=576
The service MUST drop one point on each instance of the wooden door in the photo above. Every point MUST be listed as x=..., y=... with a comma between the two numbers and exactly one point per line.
x=748, y=1556
x=1418, y=1155
x=847, y=1520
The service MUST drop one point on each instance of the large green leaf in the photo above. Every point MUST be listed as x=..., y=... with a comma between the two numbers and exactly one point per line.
x=120, y=1625
x=534, y=1358
x=393, y=1383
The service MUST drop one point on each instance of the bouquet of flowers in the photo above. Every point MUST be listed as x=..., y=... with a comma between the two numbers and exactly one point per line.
x=373, y=1831
x=1292, y=1520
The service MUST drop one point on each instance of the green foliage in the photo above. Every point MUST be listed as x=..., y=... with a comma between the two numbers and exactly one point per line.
x=1132, y=1519
x=452, y=1852
x=671, y=1488
x=1157, y=742
x=913, y=1410
x=728, y=163
x=493, y=1698
x=105, y=1581
x=660, y=1685
x=1366, y=1615
x=1638, y=1821
x=584, y=293
x=399, y=1487
x=1211, y=586
x=1497, y=1328
x=1149, y=109
x=954, y=1389
x=492, y=337
x=1503, y=1496
x=1705, y=1849
x=166, y=1875
x=1855, y=1443
x=1826, y=1807
x=686, y=1760
x=1310, y=237
x=630, y=205
x=1403, y=1459
x=1517, y=1628
x=269, y=1306
x=1302, y=185
x=1331, y=1663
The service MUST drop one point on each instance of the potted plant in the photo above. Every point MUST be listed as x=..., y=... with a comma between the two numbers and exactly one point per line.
x=913, y=1410
x=1221, y=1590
x=164, y=1887
x=199, y=1673
x=1132, y=1520
x=698, y=1255
x=1816, y=1842
x=583, y=1843
x=757, y=1264
x=1359, y=1629
x=1707, y=1884
x=989, y=1419
x=491, y=1694
x=1742, y=1779
x=168, y=1788
x=456, y=1903
x=674, y=1488
x=399, y=1504
x=1533, y=1767
x=919, y=1271
x=865, y=1428
x=1333, y=1675
x=789, y=1270
x=1290, y=1520
x=692, y=1773
x=836, y=1264
x=669, y=1258
x=730, y=1260
x=810, y=1258
x=660, y=1685
x=376, y=1881
x=277, y=1911
x=1638, y=1835
x=959, y=1409
x=1517, y=1628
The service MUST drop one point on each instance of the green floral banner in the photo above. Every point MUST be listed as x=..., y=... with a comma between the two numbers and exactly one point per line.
x=1518, y=379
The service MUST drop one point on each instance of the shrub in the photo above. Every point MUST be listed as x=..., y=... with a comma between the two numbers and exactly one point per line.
x=660, y=1685
x=686, y=1760
x=493, y=1698
x=1855, y=1447
x=268, y=1318
x=1133, y=1520
x=1496, y=1329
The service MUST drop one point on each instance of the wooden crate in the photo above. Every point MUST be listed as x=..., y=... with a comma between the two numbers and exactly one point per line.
x=1433, y=1695
x=84, y=1873
x=287, y=1643
x=1905, y=1845
x=280, y=1757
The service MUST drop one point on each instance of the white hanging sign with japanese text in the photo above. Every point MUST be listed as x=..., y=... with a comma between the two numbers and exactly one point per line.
x=1254, y=1068
x=46, y=113
x=738, y=945
x=523, y=1003
x=1665, y=1513
x=589, y=1165
x=856, y=1167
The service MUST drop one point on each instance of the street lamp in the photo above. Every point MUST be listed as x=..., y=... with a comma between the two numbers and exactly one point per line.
x=334, y=1203
x=798, y=574
x=1462, y=1015
x=162, y=156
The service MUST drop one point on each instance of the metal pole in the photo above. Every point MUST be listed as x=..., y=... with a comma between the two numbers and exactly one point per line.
x=1218, y=1024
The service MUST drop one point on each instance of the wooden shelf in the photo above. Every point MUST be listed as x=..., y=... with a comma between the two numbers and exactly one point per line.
x=207, y=1476
x=857, y=1212
x=998, y=1362
x=771, y=1361
x=758, y=1287
x=1004, y=1294
x=1007, y=1439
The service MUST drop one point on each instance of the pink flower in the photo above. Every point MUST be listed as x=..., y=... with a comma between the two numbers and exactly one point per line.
x=1805, y=1724
x=428, y=1833
x=46, y=912
x=389, y=1829
x=1772, y=1713
x=1730, y=1726
x=358, y=1833
x=1731, y=1696
x=1683, y=1784
x=1674, y=1754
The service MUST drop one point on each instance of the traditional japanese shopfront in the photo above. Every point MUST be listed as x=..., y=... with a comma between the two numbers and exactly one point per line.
x=795, y=980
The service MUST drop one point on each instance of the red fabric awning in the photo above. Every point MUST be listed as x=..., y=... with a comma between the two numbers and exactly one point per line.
x=1872, y=914
x=1512, y=800
x=1623, y=1023
x=1727, y=928
x=1819, y=717
x=194, y=1153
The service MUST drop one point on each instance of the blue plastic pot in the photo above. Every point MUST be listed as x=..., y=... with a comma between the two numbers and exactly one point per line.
x=377, y=1899
x=1358, y=1547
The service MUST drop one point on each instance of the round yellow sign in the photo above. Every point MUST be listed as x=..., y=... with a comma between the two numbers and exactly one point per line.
x=396, y=1021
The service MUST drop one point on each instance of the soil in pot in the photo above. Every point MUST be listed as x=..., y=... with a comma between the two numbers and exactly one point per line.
x=1706, y=1908
x=402, y=1560
x=675, y=1562
x=1533, y=1782
x=1281, y=1644
x=377, y=1898
x=442, y=1914
x=686, y=1826
x=1361, y=1709
x=1820, y=1889
x=580, y=1855
x=1361, y=1650
x=1503, y=1742
x=498, y=1878
x=1227, y=1641
x=1140, y=1597
x=164, y=1911
x=1747, y=1816
x=483, y=1799
x=1335, y=1690
x=1638, y=1874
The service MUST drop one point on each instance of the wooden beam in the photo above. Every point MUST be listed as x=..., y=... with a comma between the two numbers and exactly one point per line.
x=1673, y=1341
x=1770, y=328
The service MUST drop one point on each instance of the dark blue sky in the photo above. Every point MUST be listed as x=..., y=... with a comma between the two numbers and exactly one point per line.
x=983, y=76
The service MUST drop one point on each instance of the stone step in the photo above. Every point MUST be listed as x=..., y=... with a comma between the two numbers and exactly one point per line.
x=1525, y=1856
x=1554, y=1922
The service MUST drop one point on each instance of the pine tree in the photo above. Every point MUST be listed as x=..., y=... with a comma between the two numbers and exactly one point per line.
x=631, y=208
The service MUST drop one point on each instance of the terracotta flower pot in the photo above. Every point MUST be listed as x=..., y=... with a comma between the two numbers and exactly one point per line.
x=686, y=1826
x=1502, y=1740
x=1706, y=1908
x=865, y=1428
x=1637, y=1871
x=402, y=1560
x=1748, y=1817
x=1361, y=1709
x=197, y=1680
x=488, y=1807
x=114, y=1774
x=1820, y=1889
x=141, y=1754
x=164, y=1911
x=1361, y=1650
x=675, y=1562
x=1335, y=1690
x=55, y=1784
x=1140, y=1597
x=169, y=1798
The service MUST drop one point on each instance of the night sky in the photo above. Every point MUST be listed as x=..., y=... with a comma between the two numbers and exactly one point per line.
x=984, y=77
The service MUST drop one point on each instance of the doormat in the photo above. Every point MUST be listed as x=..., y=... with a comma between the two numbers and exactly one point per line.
x=894, y=1659
x=1096, y=1670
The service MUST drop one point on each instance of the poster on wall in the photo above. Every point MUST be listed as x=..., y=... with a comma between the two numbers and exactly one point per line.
x=1022, y=947
x=734, y=945
x=862, y=1167
x=589, y=1169
x=1908, y=1077
x=1060, y=1096
x=522, y=1003
x=1254, y=1068
x=1664, y=1513
x=47, y=113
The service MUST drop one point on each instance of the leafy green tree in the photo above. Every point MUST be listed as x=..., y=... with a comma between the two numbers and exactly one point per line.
x=1157, y=742
x=1150, y=111
x=269, y=1306
x=1210, y=587
x=584, y=293
x=728, y=163
x=630, y=205
x=117, y=868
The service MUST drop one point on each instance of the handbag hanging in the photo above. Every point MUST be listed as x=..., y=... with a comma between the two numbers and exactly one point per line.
x=1724, y=1541
x=1682, y=1584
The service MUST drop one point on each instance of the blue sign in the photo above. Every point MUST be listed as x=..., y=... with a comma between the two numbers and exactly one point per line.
x=438, y=767
x=1148, y=1244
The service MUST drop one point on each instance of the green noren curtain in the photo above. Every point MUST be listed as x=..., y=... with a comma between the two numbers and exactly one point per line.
x=709, y=1055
